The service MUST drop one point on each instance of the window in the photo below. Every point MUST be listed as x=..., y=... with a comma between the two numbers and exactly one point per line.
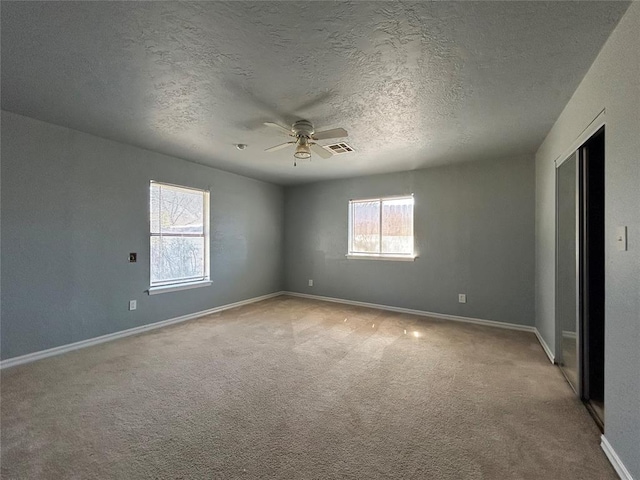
x=381, y=227
x=179, y=237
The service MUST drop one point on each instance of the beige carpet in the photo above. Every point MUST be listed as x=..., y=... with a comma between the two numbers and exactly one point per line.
x=298, y=389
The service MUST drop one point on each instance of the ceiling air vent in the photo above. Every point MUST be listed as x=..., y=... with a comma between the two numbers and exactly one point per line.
x=338, y=148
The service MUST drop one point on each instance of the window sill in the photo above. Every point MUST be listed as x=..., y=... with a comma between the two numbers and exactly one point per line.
x=177, y=287
x=393, y=258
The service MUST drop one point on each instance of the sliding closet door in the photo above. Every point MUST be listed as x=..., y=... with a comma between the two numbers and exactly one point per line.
x=567, y=280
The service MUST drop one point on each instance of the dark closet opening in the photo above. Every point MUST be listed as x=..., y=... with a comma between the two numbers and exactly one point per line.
x=592, y=278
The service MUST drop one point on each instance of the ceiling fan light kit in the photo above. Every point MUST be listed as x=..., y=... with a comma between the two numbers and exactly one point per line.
x=305, y=137
x=303, y=150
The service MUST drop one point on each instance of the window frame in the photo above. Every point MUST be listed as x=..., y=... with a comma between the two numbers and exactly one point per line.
x=187, y=283
x=351, y=254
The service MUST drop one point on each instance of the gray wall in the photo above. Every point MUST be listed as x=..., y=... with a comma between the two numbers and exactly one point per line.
x=75, y=205
x=612, y=83
x=474, y=233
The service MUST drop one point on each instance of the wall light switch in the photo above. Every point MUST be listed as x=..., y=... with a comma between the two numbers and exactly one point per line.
x=462, y=298
x=310, y=283
x=621, y=238
x=133, y=304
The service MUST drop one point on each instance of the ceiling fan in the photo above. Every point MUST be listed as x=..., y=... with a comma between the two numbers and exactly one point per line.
x=305, y=138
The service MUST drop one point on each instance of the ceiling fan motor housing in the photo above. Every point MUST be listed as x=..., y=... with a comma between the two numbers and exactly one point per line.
x=302, y=128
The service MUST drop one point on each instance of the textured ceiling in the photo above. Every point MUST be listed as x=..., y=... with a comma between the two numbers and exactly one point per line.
x=415, y=84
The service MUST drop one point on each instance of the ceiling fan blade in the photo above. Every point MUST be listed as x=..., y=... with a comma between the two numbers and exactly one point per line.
x=279, y=127
x=319, y=99
x=321, y=152
x=278, y=147
x=243, y=95
x=334, y=133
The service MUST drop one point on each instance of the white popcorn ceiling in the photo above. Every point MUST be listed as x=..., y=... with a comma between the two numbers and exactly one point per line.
x=415, y=84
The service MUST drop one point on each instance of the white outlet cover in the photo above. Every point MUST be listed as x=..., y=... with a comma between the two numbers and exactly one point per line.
x=310, y=283
x=462, y=297
x=133, y=304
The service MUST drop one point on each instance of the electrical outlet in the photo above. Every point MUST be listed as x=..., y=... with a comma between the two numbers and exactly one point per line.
x=462, y=298
x=133, y=257
x=310, y=283
x=133, y=304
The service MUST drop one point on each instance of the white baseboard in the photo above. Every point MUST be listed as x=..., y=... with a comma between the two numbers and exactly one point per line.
x=613, y=457
x=443, y=316
x=32, y=357
x=545, y=347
